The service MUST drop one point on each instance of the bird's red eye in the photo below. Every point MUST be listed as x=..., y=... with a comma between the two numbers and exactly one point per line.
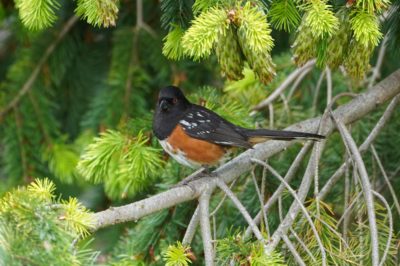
x=174, y=100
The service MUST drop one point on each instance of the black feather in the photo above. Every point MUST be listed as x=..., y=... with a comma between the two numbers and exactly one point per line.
x=280, y=134
x=201, y=123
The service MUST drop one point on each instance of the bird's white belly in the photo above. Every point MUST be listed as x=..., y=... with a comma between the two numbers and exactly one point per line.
x=178, y=155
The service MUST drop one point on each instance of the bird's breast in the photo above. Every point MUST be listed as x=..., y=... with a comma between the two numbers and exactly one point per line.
x=190, y=151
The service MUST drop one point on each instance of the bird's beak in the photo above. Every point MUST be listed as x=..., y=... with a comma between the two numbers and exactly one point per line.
x=164, y=105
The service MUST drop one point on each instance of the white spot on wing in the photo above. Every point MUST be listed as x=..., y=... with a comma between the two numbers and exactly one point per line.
x=224, y=142
x=185, y=123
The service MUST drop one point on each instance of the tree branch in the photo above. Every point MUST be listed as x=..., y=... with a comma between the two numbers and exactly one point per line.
x=241, y=209
x=348, y=113
x=191, y=229
x=204, y=204
x=366, y=187
x=363, y=147
x=293, y=250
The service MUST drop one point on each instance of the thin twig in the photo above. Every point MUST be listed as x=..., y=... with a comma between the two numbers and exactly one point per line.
x=214, y=221
x=366, y=186
x=377, y=69
x=293, y=250
x=332, y=230
x=139, y=13
x=348, y=209
x=328, y=85
x=391, y=189
x=271, y=115
x=346, y=219
x=241, y=209
x=192, y=227
x=289, y=176
x=381, y=123
x=317, y=90
x=204, y=203
x=280, y=209
x=285, y=104
x=284, y=85
x=316, y=181
x=390, y=219
x=393, y=175
x=302, y=244
x=140, y=24
x=261, y=199
x=298, y=81
x=300, y=202
x=222, y=200
x=35, y=73
x=263, y=186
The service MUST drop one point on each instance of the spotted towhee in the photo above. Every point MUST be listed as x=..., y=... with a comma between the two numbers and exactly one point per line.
x=196, y=136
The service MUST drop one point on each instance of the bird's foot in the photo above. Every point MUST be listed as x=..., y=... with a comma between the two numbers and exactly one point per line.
x=202, y=172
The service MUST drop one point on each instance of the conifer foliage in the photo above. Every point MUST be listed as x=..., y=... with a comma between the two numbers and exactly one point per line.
x=34, y=220
x=78, y=85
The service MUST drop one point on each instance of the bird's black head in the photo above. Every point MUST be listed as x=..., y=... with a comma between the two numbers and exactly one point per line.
x=170, y=99
x=171, y=106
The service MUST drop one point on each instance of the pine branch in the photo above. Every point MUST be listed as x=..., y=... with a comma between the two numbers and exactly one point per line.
x=126, y=164
x=176, y=12
x=320, y=19
x=366, y=28
x=177, y=255
x=37, y=14
x=284, y=15
x=98, y=12
x=172, y=48
x=37, y=228
x=199, y=39
x=35, y=73
x=254, y=29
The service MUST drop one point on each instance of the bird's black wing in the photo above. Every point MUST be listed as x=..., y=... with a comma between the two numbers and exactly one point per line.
x=201, y=123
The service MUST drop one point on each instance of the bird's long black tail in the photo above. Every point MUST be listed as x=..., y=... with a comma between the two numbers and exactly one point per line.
x=261, y=135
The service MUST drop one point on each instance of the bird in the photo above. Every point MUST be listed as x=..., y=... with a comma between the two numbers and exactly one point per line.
x=198, y=137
